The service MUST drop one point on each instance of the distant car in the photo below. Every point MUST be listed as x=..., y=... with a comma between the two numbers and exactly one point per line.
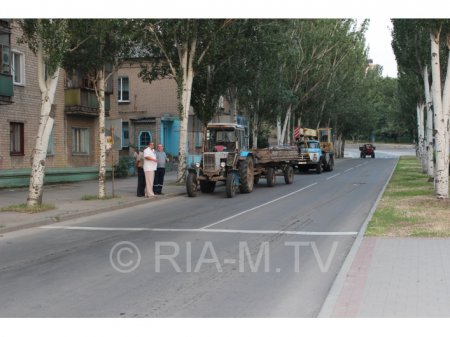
x=367, y=150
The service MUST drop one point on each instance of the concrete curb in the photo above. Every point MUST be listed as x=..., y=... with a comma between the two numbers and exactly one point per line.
x=330, y=302
x=86, y=213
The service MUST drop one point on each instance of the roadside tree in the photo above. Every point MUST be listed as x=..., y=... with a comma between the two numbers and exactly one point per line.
x=49, y=41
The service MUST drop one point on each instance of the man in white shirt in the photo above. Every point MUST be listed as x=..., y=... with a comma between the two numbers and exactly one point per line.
x=150, y=163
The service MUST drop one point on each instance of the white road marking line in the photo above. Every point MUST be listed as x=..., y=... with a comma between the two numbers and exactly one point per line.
x=333, y=176
x=200, y=230
x=351, y=168
x=259, y=206
x=85, y=228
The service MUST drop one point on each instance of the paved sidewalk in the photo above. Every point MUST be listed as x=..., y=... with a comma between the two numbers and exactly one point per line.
x=67, y=199
x=397, y=277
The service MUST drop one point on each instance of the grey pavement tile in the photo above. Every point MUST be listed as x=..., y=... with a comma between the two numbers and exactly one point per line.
x=408, y=277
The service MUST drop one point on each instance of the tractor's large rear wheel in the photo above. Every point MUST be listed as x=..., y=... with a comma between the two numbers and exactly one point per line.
x=246, y=178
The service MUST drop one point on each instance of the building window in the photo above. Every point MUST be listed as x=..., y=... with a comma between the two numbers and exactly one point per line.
x=125, y=135
x=16, y=134
x=51, y=146
x=123, y=90
x=17, y=68
x=145, y=138
x=80, y=141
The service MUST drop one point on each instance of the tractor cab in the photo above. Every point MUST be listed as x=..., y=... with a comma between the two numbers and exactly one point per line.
x=224, y=142
x=225, y=137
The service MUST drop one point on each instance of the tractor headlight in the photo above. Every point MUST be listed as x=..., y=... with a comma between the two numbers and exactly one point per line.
x=222, y=164
x=197, y=165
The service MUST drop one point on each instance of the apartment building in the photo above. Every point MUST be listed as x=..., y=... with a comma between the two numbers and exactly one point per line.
x=149, y=111
x=73, y=149
x=143, y=111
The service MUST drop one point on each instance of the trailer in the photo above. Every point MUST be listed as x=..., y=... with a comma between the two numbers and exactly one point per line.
x=272, y=162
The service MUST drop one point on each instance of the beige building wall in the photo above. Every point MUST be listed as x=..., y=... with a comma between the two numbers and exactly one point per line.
x=26, y=109
x=148, y=103
x=153, y=99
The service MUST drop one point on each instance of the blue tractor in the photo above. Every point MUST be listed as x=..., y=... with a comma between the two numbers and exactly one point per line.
x=225, y=158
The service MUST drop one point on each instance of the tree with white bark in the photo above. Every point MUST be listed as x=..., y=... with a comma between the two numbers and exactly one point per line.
x=175, y=48
x=246, y=64
x=441, y=106
x=410, y=42
x=428, y=141
x=319, y=49
x=417, y=44
x=48, y=39
x=101, y=46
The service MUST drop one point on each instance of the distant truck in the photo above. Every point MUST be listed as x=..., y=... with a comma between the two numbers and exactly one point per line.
x=315, y=147
x=226, y=157
x=367, y=150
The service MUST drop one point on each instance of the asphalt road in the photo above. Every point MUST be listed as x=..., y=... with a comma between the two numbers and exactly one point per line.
x=382, y=150
x=272, y=253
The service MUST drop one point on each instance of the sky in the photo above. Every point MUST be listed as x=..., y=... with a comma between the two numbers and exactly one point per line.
x=378, y=40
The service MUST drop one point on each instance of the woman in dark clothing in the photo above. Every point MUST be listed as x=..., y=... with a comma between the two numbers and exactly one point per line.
x=139, y=164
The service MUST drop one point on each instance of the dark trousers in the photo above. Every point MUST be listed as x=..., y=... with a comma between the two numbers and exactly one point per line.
x=159, y=180
x=141, y=182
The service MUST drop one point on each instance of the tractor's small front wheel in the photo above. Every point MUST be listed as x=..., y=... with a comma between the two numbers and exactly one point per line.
x=231, y=185
x=191, y=184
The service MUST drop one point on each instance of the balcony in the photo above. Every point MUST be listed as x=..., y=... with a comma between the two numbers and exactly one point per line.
x=83, y=102
x=6, y=89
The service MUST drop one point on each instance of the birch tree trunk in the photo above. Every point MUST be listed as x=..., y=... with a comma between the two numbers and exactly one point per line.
x=420, y=135
x=288, y=134
x=232, y=95
x=101, y=134
x=429, y=126
x=255, y=130
x=186, y=59
x=279, y=141
x=285, y=125
x=441, y=176
x=446, y=114
x=48, y=89
x=337, y=146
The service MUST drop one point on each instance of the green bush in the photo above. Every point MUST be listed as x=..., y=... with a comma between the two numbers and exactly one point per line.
x=123, y=166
